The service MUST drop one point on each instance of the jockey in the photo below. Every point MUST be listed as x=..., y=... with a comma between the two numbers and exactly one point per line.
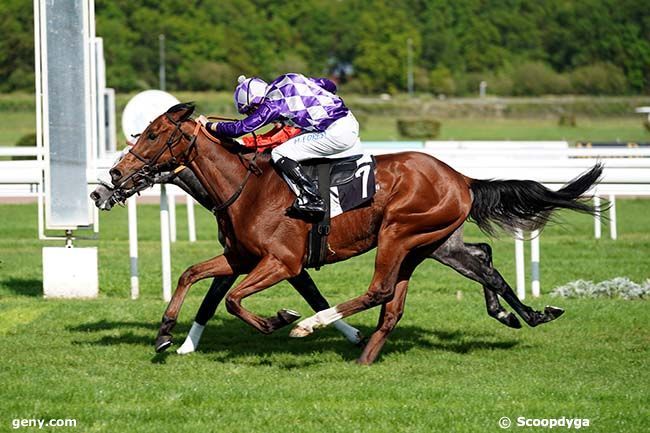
x=327, y=128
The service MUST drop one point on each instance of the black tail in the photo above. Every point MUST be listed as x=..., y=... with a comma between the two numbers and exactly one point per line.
x=526, y=204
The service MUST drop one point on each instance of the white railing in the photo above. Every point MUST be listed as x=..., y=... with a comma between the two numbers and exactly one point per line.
x=627, y=173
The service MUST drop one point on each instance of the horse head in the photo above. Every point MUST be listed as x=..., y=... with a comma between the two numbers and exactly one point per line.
x=158, y=151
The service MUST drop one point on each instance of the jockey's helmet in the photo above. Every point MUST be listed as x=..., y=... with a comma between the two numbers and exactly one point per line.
x=248, y=93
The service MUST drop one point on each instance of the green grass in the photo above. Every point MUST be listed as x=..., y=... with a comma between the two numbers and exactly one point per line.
x=447, y=367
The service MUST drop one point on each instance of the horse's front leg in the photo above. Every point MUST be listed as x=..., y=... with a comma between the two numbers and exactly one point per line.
x=217, y=266
x=270, y=270
x=217, y=291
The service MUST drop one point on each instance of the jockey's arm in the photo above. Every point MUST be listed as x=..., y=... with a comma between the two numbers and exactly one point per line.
x=276, y=136
x=264, y=115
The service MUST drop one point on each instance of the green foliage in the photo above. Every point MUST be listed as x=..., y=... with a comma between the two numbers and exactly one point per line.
x=599, y=79
x=567, y=119
x=27, y=140
x=418, y=128
x=363, y=42
x=208, y=76
x=442, y=81
x=537, y=78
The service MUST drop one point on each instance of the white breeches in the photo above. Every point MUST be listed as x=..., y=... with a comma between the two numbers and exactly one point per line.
x=339, y=140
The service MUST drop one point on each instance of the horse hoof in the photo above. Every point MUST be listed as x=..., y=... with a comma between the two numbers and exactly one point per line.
x=300, y=332
x=288, y=316
x=553, y=312
x=163, y=342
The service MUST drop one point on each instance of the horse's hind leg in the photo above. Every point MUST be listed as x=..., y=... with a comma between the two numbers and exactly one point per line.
x=475, y=262
x=391, y=313
x=382, y=289
x=496, y=310
x=494, y=307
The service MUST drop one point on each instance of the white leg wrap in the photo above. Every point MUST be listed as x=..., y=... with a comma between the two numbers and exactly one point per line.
x=351, y=333
x=192, y=341
x=320, y=319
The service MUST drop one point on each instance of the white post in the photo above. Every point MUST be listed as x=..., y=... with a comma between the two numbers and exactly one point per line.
x=133, y=246
x=191, y=223
x=597, y=227
x=534, y=264
x=612, y=217
x=165, y=245
x=171, y=198
x=519, y=264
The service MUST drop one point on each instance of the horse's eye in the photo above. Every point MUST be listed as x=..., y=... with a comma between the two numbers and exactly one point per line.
x=152, y=136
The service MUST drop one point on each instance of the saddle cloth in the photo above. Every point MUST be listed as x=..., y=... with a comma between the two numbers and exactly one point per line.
x=352, y=181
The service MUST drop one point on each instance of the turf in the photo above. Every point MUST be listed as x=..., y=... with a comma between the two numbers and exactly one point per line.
x=447, y=367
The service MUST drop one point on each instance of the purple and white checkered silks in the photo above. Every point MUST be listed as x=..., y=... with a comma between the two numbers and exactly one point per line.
x=249, y=91
x=304, y=103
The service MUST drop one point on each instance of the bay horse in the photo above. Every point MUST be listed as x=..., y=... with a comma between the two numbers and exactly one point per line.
x=418, y=211
x=303, y=283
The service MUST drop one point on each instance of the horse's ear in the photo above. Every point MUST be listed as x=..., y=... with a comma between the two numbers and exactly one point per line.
x=182, y=111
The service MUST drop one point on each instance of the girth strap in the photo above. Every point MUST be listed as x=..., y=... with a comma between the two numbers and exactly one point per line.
x=318, y=247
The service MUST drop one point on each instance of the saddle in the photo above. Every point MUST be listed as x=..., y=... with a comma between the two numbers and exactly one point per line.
x=344, y=184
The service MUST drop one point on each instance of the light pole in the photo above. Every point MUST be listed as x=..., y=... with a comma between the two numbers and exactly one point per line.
x=161, y=53
x=409, y=66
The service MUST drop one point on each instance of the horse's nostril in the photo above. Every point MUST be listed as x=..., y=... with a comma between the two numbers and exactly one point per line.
x=115, y=174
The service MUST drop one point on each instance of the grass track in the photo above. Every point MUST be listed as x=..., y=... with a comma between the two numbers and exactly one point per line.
x=447, y=367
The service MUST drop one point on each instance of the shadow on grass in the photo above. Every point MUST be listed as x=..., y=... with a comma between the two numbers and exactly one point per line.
x=24, y=286
x=229, y=340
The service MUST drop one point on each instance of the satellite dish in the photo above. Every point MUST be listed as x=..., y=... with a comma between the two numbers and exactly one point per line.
x=143, y=109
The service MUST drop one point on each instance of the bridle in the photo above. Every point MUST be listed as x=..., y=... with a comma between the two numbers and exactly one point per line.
x=153, y=172
x=151, y=165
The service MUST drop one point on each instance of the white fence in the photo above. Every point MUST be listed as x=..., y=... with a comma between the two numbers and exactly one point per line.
x=627, y=173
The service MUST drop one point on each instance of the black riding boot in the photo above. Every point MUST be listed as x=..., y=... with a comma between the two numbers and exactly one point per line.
x=309, y=201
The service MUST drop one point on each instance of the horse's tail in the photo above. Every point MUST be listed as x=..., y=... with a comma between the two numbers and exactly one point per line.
x=525, y=204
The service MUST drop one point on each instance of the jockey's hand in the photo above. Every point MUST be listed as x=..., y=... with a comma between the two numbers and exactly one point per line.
x=202, y=120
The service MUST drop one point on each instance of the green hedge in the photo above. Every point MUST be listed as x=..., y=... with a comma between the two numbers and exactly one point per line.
x=418, y=128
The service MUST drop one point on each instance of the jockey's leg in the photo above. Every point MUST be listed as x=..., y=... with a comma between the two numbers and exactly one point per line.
x=309, y=200
x=339, y=140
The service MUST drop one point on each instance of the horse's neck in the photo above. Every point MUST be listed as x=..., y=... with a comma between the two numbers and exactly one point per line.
x=219, y=171
x=222, y=173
